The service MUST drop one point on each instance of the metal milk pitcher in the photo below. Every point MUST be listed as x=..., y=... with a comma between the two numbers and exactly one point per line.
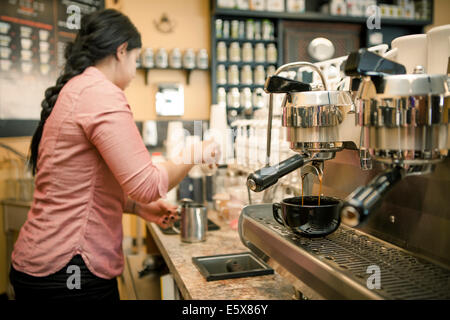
x=193, y=222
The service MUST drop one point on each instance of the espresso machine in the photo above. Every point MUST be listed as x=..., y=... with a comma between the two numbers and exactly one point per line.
x=404, y=118
x=396, y=121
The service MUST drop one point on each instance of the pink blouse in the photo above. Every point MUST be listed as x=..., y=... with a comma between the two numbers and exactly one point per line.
x=91, y=157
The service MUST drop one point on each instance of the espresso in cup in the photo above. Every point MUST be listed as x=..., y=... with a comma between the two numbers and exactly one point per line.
x=309, y=219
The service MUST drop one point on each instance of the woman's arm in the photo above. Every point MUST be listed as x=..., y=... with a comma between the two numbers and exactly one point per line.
x=159, y=212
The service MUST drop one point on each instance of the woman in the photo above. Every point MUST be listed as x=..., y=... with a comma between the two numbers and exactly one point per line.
x=88, y=157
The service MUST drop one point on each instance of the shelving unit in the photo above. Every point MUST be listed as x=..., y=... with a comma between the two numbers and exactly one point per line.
x=315, y=16
x=230, y=15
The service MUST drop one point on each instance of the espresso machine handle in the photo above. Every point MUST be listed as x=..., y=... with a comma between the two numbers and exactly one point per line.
x=268, y=176
x=366, y=63
x=365, y=199
x=277, y=84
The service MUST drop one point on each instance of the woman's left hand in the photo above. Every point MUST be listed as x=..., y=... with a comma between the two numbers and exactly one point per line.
x=160, y=212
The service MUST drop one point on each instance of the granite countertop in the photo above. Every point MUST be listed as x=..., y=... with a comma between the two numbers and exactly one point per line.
x=178, y=256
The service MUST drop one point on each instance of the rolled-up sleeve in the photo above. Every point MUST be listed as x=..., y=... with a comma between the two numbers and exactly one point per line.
x=108, y=123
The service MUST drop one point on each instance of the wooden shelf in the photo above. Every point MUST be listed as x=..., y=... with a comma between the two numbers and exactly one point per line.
x=314, y=16
x=243, y=40
x=251, y=64
x=240, y=86
x=187, y=71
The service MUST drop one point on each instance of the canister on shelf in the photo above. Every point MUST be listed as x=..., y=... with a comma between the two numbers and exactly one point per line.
x=260, y=52
x=219, y=24
x=202, y=59
x=270, y=71
x=233, y=75
x=221, y=51
x=147, y=58
x=221, y=74
x=260, y=75
x=241, y=29
x=250, y=30
x=267, y=30
x=175, y=58
x=226, y=29
x=257, y=30
x=161, y=58
x=221, y=96
x=246, y=99
x=247, y=52
x=246, y=75
x=233, y=98
x=189, y=59
x=234, y=52
x=258, y=98
x=235, y=29
x=272, y=54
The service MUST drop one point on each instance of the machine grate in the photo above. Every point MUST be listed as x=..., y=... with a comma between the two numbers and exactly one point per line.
x=403, y=276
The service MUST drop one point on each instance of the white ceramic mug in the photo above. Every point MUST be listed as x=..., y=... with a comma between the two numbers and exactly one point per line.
x=411, y=51
x=438, y=49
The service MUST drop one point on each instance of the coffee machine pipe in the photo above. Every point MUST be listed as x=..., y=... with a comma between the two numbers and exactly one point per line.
x=361, y=202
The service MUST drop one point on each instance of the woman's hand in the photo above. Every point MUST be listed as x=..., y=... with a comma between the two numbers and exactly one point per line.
x=160, y=212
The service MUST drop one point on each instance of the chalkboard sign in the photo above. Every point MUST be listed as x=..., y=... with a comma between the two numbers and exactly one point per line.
x=33, y=35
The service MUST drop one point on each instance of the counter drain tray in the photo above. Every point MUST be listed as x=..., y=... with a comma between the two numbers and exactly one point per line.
x=211, y=227
x=230, y=266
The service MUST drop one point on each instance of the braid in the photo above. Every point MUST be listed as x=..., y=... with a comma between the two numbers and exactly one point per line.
x=99, y=36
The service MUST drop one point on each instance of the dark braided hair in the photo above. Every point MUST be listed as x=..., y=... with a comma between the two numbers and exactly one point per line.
x=100, y=34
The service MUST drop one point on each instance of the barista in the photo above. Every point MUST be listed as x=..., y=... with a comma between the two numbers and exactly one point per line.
x=90, y=165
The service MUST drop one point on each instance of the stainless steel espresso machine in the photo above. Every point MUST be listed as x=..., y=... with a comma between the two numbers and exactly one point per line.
x=399, y=120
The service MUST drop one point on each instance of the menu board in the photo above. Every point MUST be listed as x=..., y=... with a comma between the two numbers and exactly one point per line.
x=33, y=36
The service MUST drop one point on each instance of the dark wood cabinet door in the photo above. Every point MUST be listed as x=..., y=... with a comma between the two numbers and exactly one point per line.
x=298, y=35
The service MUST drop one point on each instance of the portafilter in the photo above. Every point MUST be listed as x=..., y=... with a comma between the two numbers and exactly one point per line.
x=317, y=122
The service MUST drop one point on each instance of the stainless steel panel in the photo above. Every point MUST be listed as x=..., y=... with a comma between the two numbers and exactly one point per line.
x=336, y=266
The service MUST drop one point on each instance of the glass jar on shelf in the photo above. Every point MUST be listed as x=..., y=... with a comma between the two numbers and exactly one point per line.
x=221, y=74
x=233, y=75
x=249, y=29
x=221, y=51
x=270, y=71
x=272, y=54
x=226, y=29
x=234, y=52
x=235, y=29
x=161, y=58
x=247, y=52
x=147, y=58
x=219, y=24
x=175, y=58
x=260, y=52
x=233, y=98
x=221, y=96
x=189, y=59
x=202, y=59
x=246, y=75
x=260, y=75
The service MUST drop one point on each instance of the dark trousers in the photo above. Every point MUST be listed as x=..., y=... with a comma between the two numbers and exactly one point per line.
x=74, y=282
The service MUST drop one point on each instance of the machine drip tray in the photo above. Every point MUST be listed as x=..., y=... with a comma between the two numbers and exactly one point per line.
x=337, y=265
x=229, y=266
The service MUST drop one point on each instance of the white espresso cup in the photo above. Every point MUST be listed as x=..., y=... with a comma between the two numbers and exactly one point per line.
x=438, y=49
x=410, y=51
